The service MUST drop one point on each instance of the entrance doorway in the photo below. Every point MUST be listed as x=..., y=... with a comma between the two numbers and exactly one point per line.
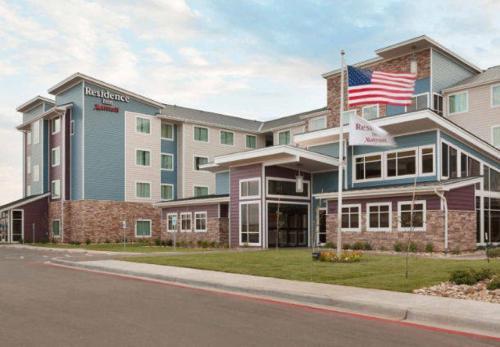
x=287, y=224
x=17, y=225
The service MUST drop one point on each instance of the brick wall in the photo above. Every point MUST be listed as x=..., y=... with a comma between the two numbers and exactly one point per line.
x=400, y=64
x=461, y=232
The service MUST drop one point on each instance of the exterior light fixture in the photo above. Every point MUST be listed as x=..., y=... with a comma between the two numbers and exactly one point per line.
x=413, y=62
x=299, y=183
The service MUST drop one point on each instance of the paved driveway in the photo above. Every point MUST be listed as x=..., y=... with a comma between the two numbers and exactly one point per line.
x=42, y=305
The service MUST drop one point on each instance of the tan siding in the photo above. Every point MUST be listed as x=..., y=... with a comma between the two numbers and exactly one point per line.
x=293, y=131
x=481, y=116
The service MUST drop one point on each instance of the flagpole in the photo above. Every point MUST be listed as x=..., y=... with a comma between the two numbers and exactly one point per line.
x=341, y=157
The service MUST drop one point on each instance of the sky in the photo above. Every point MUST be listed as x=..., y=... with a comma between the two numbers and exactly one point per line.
x=257, y=59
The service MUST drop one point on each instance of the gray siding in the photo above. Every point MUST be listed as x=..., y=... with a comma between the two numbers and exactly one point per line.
x=222, y=183
x=27, y=116
x=445, y=72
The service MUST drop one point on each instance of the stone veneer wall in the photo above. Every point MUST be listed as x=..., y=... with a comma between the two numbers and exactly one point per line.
x=217, y=231
x=101, y=220
x=461, y=232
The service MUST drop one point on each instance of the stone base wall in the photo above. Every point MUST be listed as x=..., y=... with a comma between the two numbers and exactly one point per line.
x=461, y=232
x=101, y=220
x=217, y=231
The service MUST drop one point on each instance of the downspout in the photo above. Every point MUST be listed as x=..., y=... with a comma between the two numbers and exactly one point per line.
x=445, y=204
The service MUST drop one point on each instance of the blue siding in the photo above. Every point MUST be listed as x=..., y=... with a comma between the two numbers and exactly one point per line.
x=331, y=149
x=27, y=116
x=75, y=96
x=105, y=147
x=468, y=149
x=325, y=182
x=170, y=147
x=222, y=182
x=446, y=72
x=46, y=163
x=421, y=86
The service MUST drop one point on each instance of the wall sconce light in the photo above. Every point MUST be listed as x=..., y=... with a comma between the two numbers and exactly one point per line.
x=299, y=183
x=413, y=62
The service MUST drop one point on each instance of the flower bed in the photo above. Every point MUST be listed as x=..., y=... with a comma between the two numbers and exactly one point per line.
x=345, y=257
x=478, y=291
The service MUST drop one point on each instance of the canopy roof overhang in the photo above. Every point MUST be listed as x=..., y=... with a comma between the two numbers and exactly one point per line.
x=283, y=155
x=194, y=201
x=412, y=122
x=55, y=111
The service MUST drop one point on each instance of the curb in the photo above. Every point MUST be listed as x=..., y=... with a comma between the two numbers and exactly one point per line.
x=403, y=314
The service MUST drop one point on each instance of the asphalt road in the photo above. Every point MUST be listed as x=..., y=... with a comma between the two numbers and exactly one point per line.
x=41, y=305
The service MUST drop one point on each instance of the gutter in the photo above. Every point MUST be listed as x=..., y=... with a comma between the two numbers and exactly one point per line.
x=445, y=204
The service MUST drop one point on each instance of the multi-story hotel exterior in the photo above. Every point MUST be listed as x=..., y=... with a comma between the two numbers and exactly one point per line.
x=96, y=156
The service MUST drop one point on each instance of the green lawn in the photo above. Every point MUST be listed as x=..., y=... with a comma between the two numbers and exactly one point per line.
x=374, y=271
x=118, y=247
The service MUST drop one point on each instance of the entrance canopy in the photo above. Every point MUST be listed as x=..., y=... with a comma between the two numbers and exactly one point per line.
x=283, y=155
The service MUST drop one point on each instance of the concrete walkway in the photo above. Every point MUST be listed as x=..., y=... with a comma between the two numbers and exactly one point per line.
x=465, y=315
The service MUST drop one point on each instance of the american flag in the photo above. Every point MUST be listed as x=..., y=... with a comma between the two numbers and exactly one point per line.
x=377, y=87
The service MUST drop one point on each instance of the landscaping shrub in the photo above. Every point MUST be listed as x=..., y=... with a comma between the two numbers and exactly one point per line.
x=88, y=242
x=213, y=244
x=157, y=242
x=345, y=257
x=345, y=246
x=169, y=243
x=483, y=274
x=493, y=252
x=429, y=247
x=398, y=246
x=494, y=284
x=330, y=245
x=455, y=250
x=357, y=246
x=470, y=276
x=367, y=246
x=412, y=247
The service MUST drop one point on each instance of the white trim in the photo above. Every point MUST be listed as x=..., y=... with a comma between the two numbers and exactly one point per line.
x=52, y=228
x=150, y=190
x=201, y=127
x=173, y=191
x=144, y=150
x=12, y=224
x=34, y=102
x=191, y=202
x=72, y=127
x=246, y=144
x=173, y=131
x=57, y=131
x=491, y=95
x=312, y=119
x=140, y=132
x=289, y=130
x=420, y=157
x=150, y=228
x=36, y=174
x=493, y=135
x=293, y=197
x=250, y=202
x=173, y=163
x=200, y=168
x=248, y=197
x=424, y=214
x=55, y=196
x=227, y=144
x=196, y=213
x=200, y=186
x=417, y=161
x=354, y=170
x=448, y=113
x=358, y=229
x=177, y=222
x=28, y=165
x=53, y=155
x=368, y=205
x=370, y=106
x=190, y=222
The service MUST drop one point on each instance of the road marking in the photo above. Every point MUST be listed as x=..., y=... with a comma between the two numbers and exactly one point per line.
x=282, y=302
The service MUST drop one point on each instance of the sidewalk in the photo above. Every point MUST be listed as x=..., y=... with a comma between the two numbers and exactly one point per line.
x=466, y=315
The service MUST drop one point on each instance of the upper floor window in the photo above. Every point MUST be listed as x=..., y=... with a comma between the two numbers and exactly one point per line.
x=438, y=103
x=286, y=187
x=495, y=136
x=427, y=160
x=198, y=161
x=143, y=125
x=56, y=156
x=142, y=157
x=346, y=116
x=469, y=167
x=251, y=141
x=368, y=167
x=56, y=125
x=201, y=134
x=401, y=163
x=200, y=191
x=495, y=96
x=458, y=103
x=35, y=131
x=370, y=112
x=167, y=161
x=167, y=131
x=28, y=164
x=418, y=102
x=449, y=165
x=143, y=190
x=56, y=189
x=284, y=137
x=250, y=188
x=36, y=173
x=167, y=192
x=317, y=123
x=226, y=138
x=28, y=137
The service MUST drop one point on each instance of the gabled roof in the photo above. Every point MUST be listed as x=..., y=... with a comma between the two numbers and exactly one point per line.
x=23, y=201
x=491, y=75
x=290, y=120
x=32, y=103
x=195, y=200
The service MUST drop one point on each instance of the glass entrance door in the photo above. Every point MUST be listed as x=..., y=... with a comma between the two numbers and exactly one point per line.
x=288, y=225
x=17, y=226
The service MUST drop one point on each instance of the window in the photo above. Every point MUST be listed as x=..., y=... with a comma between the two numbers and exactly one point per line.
x=201, y=134
x=317, y=123
x=370, y=112
x=28, y=164
x=449, y=165
x=250, y=223
x=426, y=160
x=56, y=156
x=55, y=124
x=143, y=190
x=28, y=137
x=142, y=157
x=35, y=130
x=226, y=138
x=28, y=190
x=418, y=102
x=438, y=103
x=411, y=219
x=200, y=191
x=167, y=162
x=495, y=136
x=250, y=188
x=251, y=141
x=143, y=125
x=72, y=127
x=186, y=221
x=200, y=221
x=379, y=217
x=492, y=219
x=401, y=163
x=167, y=131
x=56, y=189
x=346, y=116
x=369, y=167
x=143, y=228
x=36, y=173
x=286, y=187
x=172, y=222
x=468, y=166
x=491, y=179
x=284, y=137
x=495, y=96
x=56, y=228
x=351, y=218
x=198, y=161
x=167, y=192
x=457, y=103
